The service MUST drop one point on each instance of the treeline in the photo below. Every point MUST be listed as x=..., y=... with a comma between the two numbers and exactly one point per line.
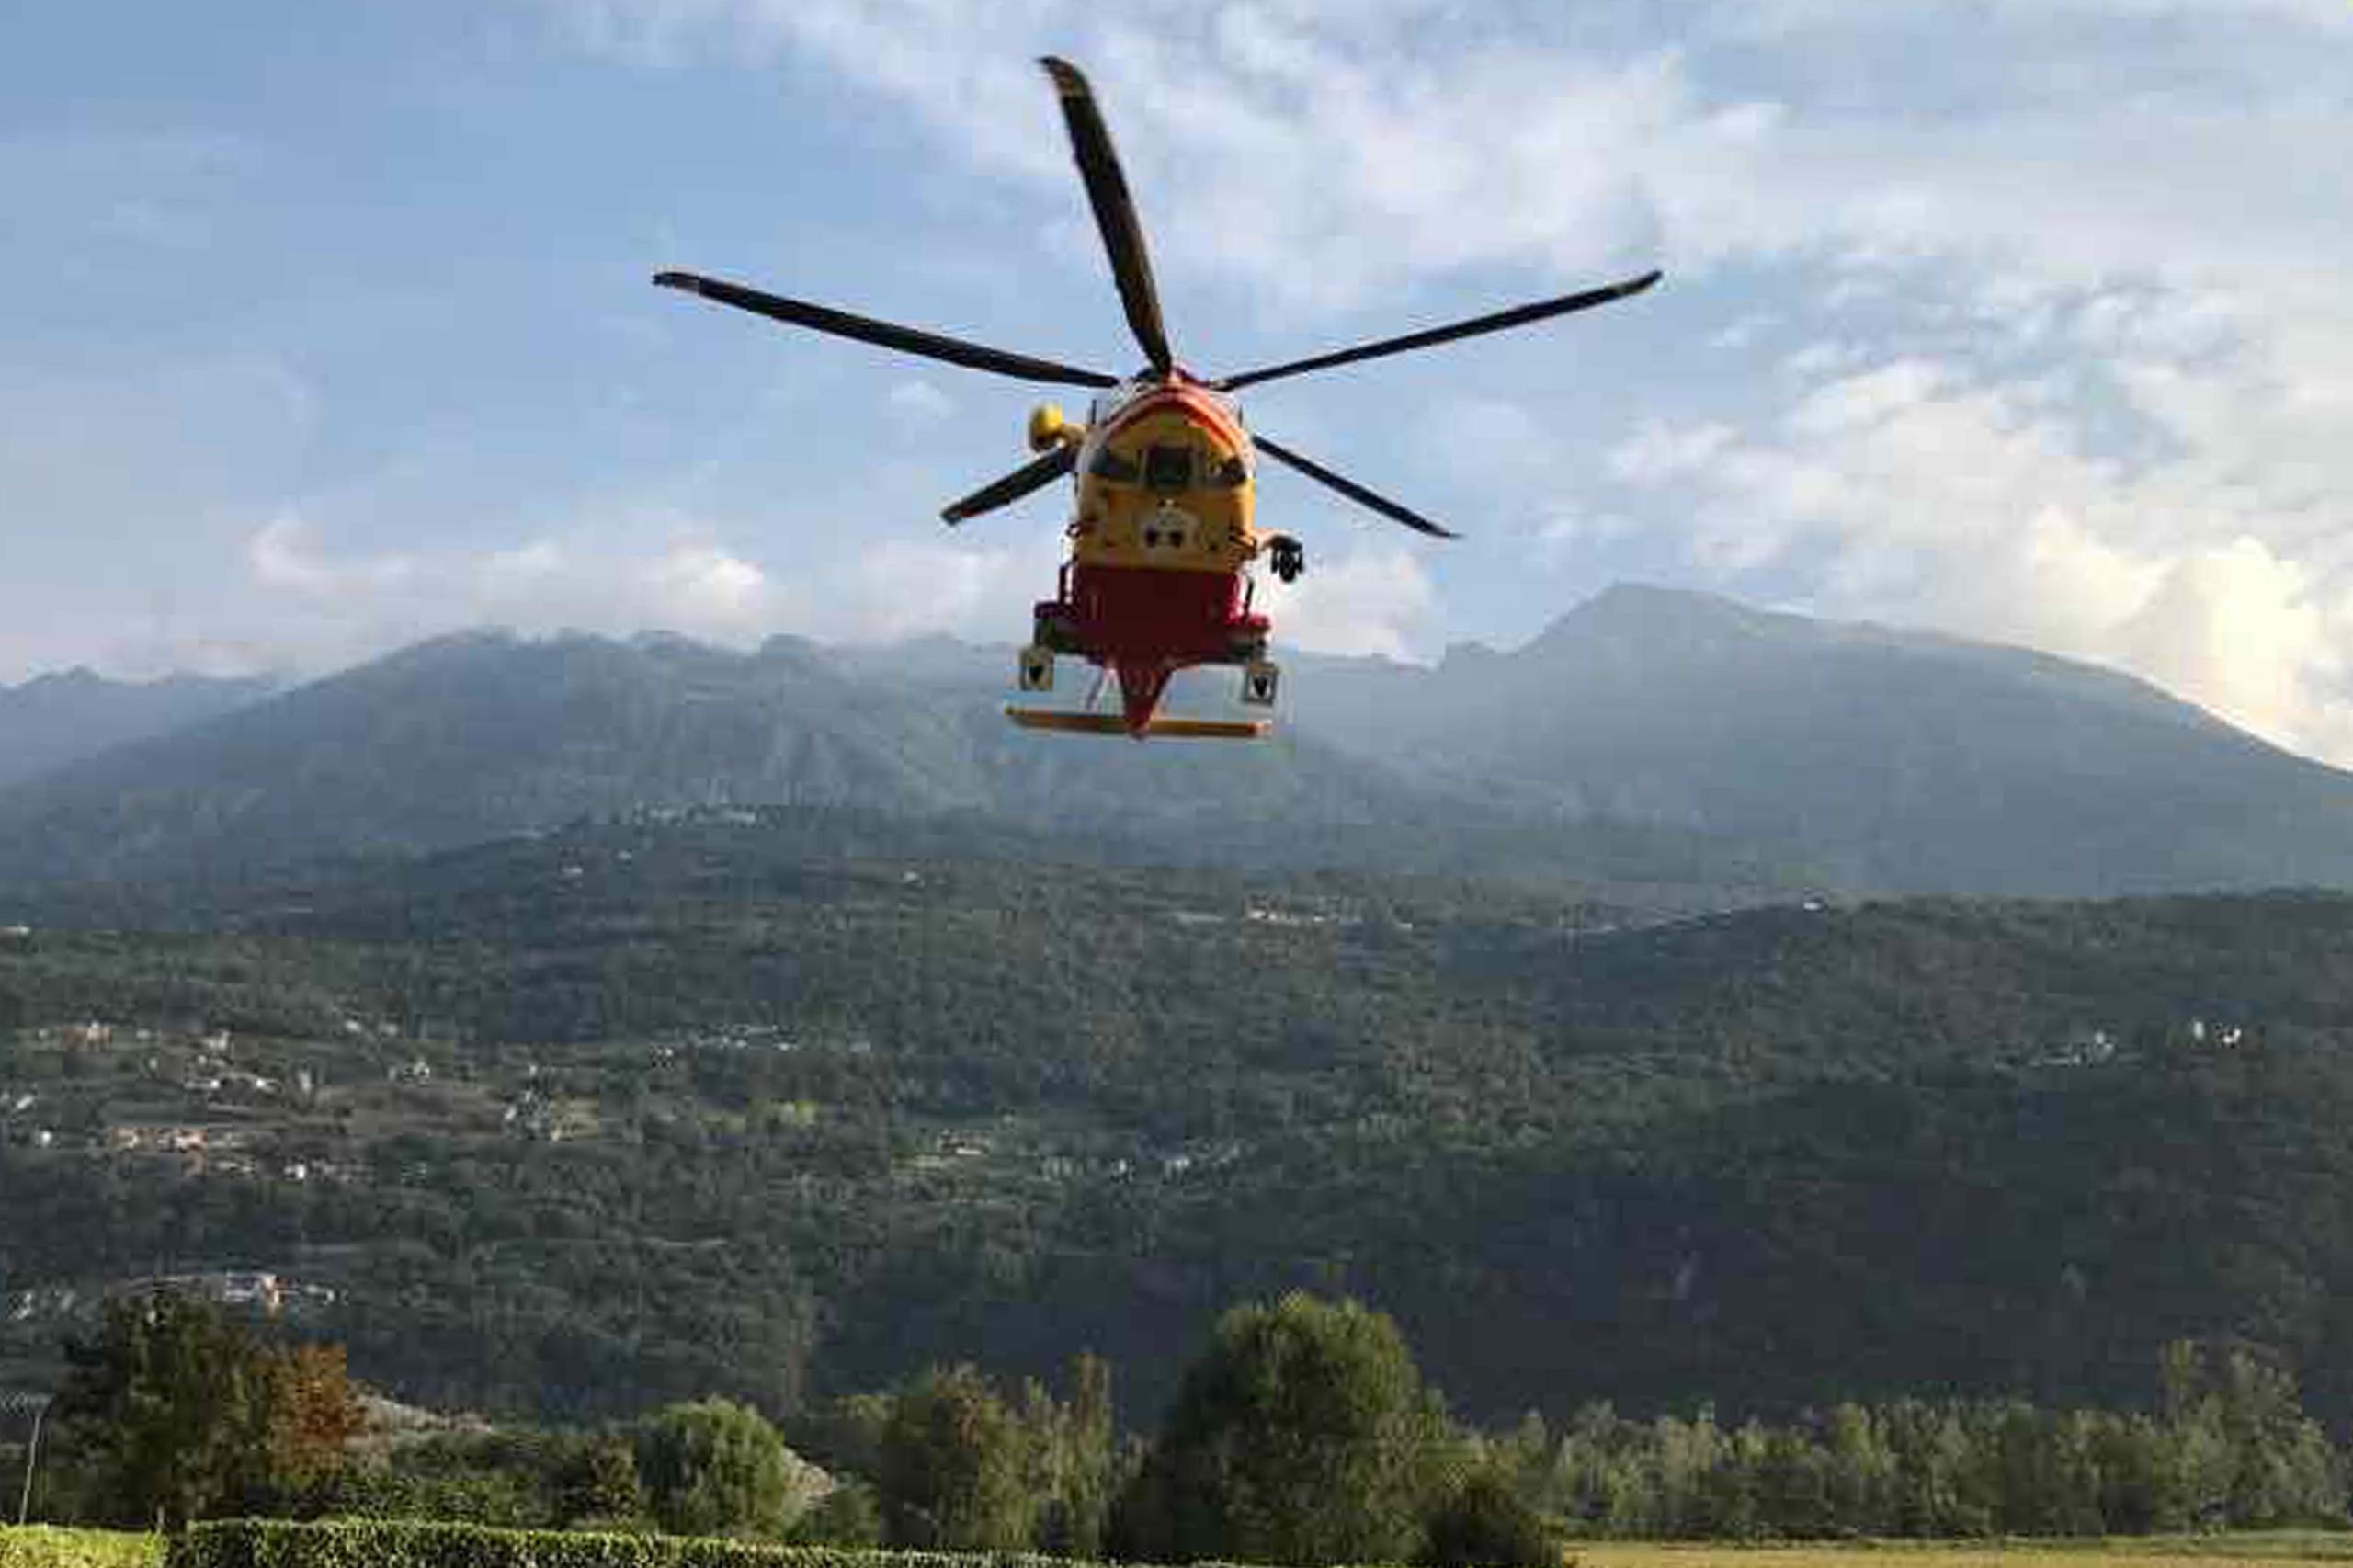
x=1303, y=1433
x=2228, y=1447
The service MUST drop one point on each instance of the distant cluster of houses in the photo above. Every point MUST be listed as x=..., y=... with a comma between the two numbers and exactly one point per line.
x=215, y=1146
x=2097, y=1047
x=262, y=1289
x=236, y=1287
x=533, y=1115
x=1329, y=914
x=953, y=1149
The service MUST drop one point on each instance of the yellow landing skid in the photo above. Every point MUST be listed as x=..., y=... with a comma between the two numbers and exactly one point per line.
x=1159, y=729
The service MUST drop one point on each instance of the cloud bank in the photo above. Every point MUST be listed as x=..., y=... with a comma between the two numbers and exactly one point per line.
x=2021, y=319
x=2056, y=350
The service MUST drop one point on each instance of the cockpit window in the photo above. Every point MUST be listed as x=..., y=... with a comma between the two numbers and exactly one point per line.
x=1230, y=474
x=1168, y=467
x=1108, y=464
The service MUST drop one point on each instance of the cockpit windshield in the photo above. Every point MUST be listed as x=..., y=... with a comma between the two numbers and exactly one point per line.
x=1167, y=466
x=1108, y=464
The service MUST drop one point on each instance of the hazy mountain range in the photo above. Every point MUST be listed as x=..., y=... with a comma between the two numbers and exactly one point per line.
x=1648, y=736
x=52, y=719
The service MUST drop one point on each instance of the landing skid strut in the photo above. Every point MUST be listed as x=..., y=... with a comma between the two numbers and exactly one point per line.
x=1161, y=728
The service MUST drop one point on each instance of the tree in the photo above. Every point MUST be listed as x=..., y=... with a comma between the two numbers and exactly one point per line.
x=847, y=1516
x=598, y=1486
x=1089, y=1476
x=1861, y=1471
x=718, y=1467
x=955, y=1467
x=2240, y=1429
x=156, y=1410
x=1486, y=1524
x=1072, y=1460
x=175, y=1411
x=1303, y=1435
x=311, y=1415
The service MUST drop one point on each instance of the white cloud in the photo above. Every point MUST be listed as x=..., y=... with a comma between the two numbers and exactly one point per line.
x=1372, y=601
x=329, y=608
x=1357, y=154
x=1657, y=451
x=1872, y=398
x=1501, y=444
x=1928, y=498
x=1564, y=528
x=284, y=557
x=2243, y=627
x=1320, y=164
x=907, y=588
x=918, y=402
x=1745, y=331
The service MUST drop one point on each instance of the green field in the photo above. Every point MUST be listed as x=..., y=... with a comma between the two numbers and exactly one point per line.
x=44, y=1546
x=2151, y=1551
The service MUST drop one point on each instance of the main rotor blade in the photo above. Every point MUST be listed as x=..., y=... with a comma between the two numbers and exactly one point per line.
x=1115, y=211
x=1351, y=489
x=1013, y=486
x=905, y=339
x=1518, y=315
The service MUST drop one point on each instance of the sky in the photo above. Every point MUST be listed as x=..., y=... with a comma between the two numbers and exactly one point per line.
x=324, y=328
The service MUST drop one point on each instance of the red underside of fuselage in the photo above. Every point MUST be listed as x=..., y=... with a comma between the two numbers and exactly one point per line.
x=1148, y=622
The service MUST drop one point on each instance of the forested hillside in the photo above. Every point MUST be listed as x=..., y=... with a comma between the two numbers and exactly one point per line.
x=775, y=1103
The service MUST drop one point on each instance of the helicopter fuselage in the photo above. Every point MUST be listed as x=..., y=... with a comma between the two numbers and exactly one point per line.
x=1161, y=540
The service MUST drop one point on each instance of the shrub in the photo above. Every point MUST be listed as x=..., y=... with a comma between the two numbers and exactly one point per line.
x=718, y=1467
x=402, y=1543
x=1486, y=1525
x=43, y=1546
x=847, y=1516
x=389, y=1543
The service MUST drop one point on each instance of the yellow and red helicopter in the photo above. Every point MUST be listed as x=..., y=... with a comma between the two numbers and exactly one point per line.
x=1163, y=538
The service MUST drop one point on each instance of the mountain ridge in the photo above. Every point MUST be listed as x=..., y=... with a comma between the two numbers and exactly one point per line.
x=1648, y=734
x=59, y=716
x=1908, y=762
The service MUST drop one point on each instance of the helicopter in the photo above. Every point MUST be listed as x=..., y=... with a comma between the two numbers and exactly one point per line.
x=1163, y=535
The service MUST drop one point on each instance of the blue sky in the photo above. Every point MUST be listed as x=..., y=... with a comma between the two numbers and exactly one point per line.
x=326, y=327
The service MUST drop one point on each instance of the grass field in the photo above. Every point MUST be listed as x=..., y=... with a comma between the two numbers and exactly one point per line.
x=43, y=1546
x=2155, y=1551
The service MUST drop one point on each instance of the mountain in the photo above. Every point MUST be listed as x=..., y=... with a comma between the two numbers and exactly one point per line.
x=52, y=719
x=482, y=735
x=1895, y=760
x=1676, y=742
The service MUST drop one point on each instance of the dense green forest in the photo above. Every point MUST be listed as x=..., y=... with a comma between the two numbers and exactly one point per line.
x=784, y=1105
